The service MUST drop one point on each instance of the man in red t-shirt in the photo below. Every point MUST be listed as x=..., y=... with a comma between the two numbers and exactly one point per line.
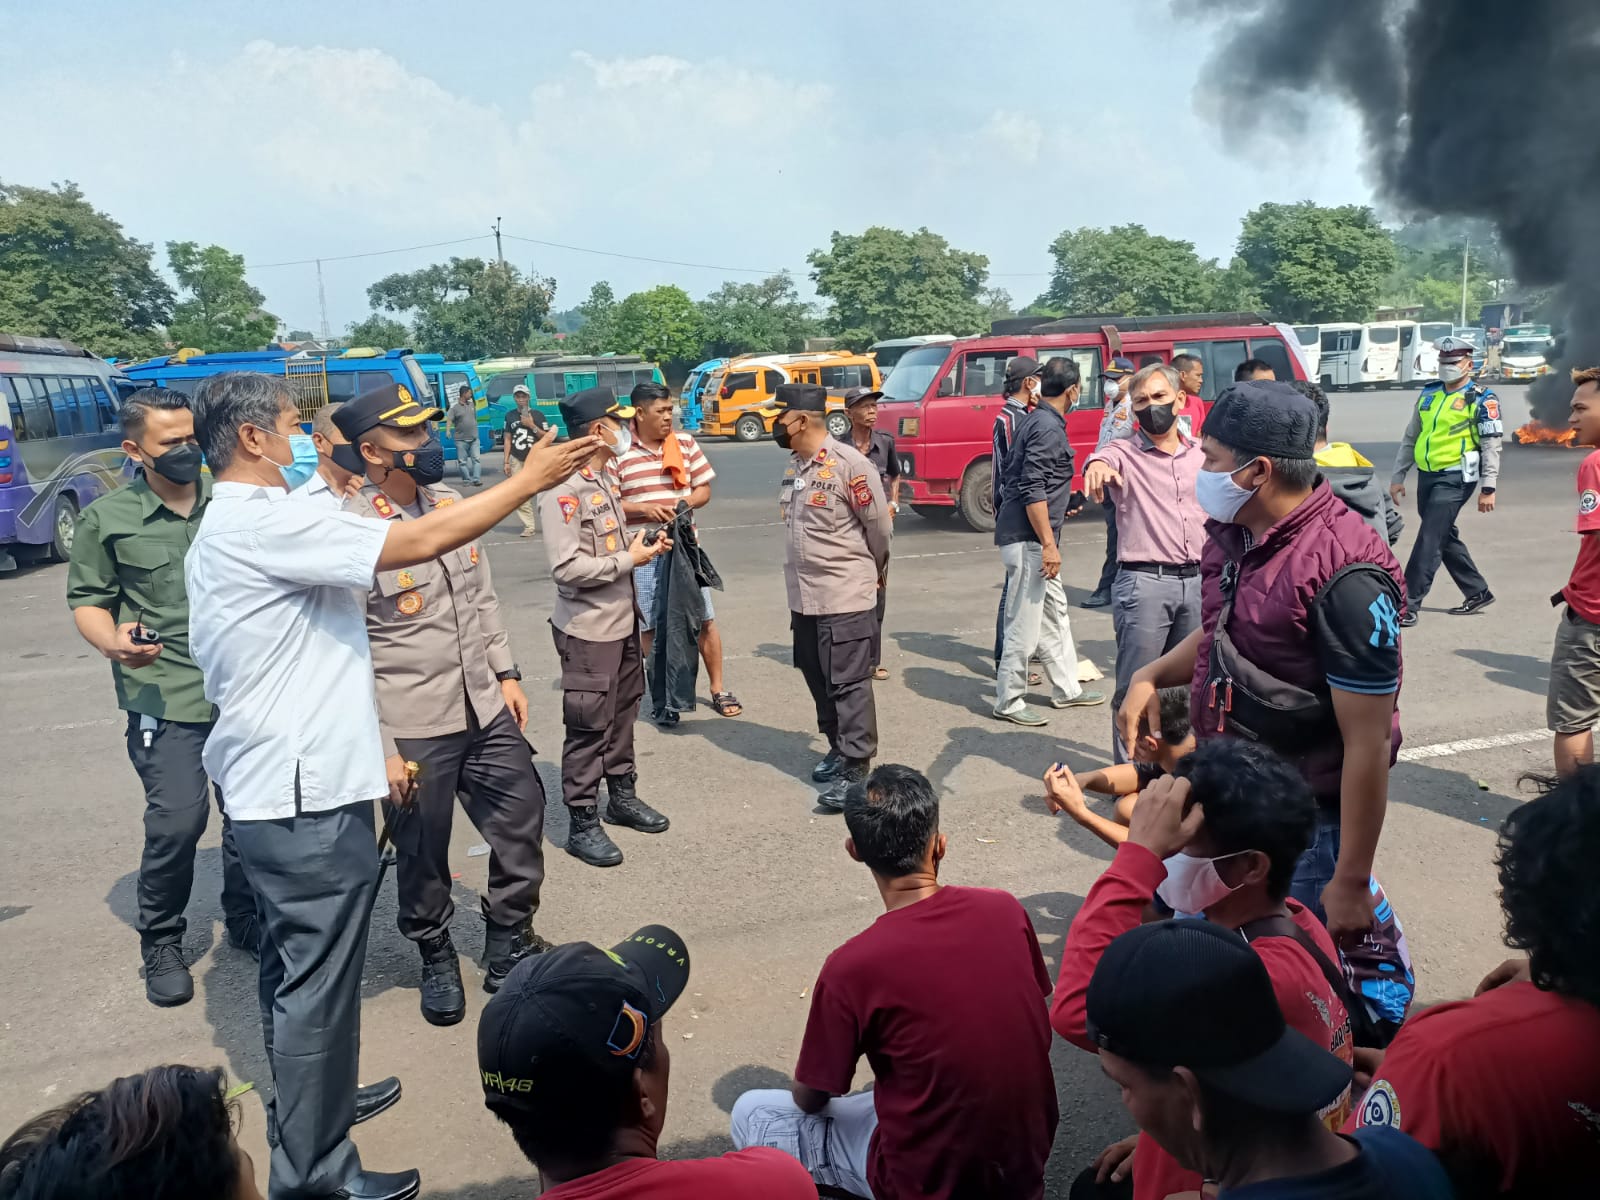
x=1219, y=838
x=1573, y=705
x=1506, y=1086
x=944, y=994
x=573, y=1060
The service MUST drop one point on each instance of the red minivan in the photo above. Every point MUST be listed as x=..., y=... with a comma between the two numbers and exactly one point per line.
x=940, y=400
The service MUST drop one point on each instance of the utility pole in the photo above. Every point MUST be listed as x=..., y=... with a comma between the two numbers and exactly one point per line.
x=1465, y=247
x=322, y=303
x=499, y=257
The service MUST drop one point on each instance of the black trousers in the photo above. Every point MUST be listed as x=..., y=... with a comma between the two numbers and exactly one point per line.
x=1108, y=569
x=313, y=875
x=177, y=801
x=834, y=653
x=492, y=769
x=1440, y=496
x=601, y=686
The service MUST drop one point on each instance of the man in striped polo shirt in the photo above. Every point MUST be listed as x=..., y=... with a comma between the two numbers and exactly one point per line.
x=662, y=468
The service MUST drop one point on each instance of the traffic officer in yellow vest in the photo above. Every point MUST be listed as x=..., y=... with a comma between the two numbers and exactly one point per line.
x=449, y=700
x=1454, y=438
x=596, y=626
x=836, y=534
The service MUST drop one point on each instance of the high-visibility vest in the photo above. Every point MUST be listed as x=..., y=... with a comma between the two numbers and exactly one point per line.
x=1449, y=426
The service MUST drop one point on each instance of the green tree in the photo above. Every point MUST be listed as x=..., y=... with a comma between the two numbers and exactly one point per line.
x=68, y=271
x=1428, y=270
x=1311, y=263
x=378, y=330
x=740, y=318
x=1127, y=270
x=898, y=284
x=996, y=305
x=1233, y=289
x=219, y=310
x=592, y=333
x=467, y=308
x=300, y=335
x=662, y=324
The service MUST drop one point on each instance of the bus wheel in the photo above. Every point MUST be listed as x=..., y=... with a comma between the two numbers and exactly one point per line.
x=749, y=428
x=838, y=425
x=63, y=529
x=976, y=501
x=943, y=514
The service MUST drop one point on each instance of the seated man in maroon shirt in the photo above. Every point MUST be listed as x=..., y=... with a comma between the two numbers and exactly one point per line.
x=1506, y=1086
x=573, y=1061
x=945, y=995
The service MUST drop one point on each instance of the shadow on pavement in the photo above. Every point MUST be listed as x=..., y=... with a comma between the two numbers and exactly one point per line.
x=1448, y=793
x=748, y=1078
x=1521, y=671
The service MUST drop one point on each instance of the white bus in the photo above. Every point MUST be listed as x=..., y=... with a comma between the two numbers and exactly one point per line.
x=1310, y=339
x=1343, y=346
x=1380, y=365
x=1425, y=363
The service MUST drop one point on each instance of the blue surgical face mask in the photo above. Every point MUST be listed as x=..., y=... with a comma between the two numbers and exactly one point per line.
x=302, y=464
x=1220, y=496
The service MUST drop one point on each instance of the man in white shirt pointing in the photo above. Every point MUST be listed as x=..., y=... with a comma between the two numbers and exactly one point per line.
x=277, y=629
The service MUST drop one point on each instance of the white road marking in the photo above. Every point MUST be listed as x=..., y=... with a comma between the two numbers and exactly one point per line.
x=1468, y=745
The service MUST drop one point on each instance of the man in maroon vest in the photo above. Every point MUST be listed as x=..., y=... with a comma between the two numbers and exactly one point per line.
x=1299, y=645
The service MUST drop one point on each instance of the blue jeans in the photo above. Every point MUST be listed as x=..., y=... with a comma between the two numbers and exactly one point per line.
x=1314, y=871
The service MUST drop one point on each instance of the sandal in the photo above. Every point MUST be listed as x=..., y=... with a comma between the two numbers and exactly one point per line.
x=880, y=673
x=726, y=704
x=1035, y=679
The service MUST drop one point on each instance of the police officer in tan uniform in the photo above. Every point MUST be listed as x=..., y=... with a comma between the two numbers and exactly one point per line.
x=836, y=532
x=596, y=628
x=449, y=700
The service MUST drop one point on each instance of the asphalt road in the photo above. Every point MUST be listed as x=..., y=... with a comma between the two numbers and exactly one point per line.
x=751, y=875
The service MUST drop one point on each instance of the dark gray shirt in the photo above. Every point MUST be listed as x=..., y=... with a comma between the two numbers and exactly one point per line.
x=1038, y=468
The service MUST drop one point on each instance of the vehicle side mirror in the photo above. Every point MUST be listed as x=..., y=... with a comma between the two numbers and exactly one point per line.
x=947, y=386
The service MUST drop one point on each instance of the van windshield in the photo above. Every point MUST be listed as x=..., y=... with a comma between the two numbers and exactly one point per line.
x=916, y=370
x=1433, y=331
x=1308, y=334
x=1524, y=348
x=1383, y=334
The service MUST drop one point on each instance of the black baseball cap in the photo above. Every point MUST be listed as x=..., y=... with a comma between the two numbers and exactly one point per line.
x=1264, y=416
x=591, y=404
x=390, y=404
x=577, y=1007
x=1188, y=993
x=1020, y=367
x=856, y=395
x=799, y=397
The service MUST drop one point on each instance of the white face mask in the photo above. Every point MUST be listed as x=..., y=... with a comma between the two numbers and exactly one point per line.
x=1220, y=496
x=1192, y=884
x=623, y=440
x=1452, y=369
x=1113, y=389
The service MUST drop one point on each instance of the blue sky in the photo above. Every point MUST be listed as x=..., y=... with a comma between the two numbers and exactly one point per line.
x=714, y=132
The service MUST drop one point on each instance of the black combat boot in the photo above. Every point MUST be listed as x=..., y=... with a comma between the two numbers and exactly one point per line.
x=167, y=982
x=828, y=769
x=443, y=1000
x=626, y=809
x=504, y=946
x=851, y=772
x=587, y=841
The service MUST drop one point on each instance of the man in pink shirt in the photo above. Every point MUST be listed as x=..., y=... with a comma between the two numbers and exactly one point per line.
x=1150, y=477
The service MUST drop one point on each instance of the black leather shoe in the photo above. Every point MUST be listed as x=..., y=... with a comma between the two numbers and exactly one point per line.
x=1474, y=603
x=376, y=1098
x=167, y=982
x=444, y=1002
x=853, y=771
x=626, y=809
x=1096, y=600
x=826, y=770
x=504, y=946
x=1408, y=618
x=380, y=1185
x=587, y=841
x=245, y=934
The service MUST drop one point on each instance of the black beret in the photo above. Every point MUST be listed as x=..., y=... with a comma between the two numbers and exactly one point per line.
x=800, y=397
x=390, y=404
x=583, y=408
x=1264, y=417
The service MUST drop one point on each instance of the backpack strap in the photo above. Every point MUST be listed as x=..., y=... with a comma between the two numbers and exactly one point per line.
x=1286, y=927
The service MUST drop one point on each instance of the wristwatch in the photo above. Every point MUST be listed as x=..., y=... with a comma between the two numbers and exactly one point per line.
x=513, y=673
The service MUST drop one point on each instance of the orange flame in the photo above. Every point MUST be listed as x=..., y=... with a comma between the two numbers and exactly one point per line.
x=1534, y=434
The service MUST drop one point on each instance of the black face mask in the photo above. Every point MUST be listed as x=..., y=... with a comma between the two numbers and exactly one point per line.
x=425, y=464
x=181, y=464
x=1156, y=419
x=347, y=458
x=780, y=434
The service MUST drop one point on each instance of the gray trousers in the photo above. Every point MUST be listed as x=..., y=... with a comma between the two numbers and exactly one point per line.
x=177, y=803
x=313, y=875
x=1151, y=614
x=1036, y=619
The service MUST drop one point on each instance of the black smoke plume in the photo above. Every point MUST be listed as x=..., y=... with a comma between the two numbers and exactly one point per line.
x=1471, y=108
